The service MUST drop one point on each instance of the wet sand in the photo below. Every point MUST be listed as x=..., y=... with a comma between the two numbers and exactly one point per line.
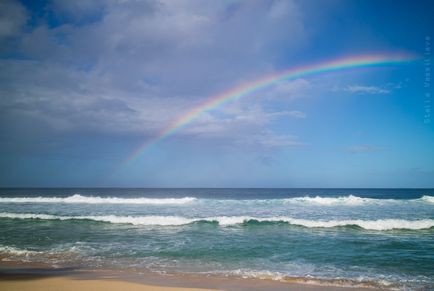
x=38, y=278
x=71, y=284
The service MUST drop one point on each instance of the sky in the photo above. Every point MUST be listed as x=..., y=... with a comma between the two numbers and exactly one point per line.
x=85, y=84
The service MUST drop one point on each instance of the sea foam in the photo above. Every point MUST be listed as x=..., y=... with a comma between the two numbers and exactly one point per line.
x=16, y=251
x=79, y=199
x=380, y=224
x=355, y=282
x=352, y=200
x=349, y=200
x=427, y=198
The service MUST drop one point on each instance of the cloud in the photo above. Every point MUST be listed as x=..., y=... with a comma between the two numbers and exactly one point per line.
x=76, y=11
x=362, y=149
x=358, y=89
x=12, y=18
x=132, y=67
x=297, y=114
x=247, y=127
x=270, y=140
x=287, y=90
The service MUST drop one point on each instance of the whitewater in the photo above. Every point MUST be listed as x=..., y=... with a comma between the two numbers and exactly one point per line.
x=381, y=224
x=360, y=237
x=78, y=199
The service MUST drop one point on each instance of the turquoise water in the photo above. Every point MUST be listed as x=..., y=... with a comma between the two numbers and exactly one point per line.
x=374, y=237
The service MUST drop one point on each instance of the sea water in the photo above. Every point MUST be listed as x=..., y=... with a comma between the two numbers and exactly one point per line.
x=352, y=237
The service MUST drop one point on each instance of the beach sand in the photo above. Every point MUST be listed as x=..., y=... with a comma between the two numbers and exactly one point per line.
x=37, y=278
x=28, y=276
x=71, y=284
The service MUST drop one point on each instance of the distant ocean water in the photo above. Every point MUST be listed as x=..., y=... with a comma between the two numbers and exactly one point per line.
x=356, y=237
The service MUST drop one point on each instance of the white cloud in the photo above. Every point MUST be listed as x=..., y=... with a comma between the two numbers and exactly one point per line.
x=252, y=116
x=278, y=141
x=289, y=90
x=366, y=89
x=297, y=114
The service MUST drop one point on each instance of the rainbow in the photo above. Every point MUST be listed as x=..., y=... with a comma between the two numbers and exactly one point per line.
x=237, y=92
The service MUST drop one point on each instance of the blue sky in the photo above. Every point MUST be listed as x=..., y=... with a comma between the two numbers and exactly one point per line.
x=83, y=84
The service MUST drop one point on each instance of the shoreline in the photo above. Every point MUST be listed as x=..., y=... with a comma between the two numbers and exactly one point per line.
x=35, y=277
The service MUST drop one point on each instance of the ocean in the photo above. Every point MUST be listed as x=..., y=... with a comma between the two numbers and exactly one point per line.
x=344, y=237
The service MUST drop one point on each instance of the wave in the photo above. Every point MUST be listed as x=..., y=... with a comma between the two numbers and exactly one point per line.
x=427, y=198
x=16, y=251
x=79, y=199
x=343, y=200
x=135, y=220
x=350, y=200
x=380, y=224
x=350, y=282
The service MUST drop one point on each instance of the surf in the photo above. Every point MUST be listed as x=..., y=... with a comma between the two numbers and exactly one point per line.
x=155, y=220
x=79, y=199
x=349, y=200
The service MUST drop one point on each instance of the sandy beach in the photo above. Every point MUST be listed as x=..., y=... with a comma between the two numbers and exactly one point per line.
x=70, y=284
x=23, y=277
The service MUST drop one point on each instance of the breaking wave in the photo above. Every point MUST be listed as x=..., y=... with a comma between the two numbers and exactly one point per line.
x=343, y=200
x=380, y=224
x=355, y=282
x=16, y=251
x=349, y=200
x=427, y=198
x=79, y=199
x=352, y=200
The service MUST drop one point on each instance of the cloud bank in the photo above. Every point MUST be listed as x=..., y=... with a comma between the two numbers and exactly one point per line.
x=131, y=67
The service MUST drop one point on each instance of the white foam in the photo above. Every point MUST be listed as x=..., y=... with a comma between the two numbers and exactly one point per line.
x=305, y=278
x=252, y=274
x=380, y=224
x=16, y=251
x=343, y=200
x=350, y=200
x=135, y=220
x=79, y=199
x=427, y=198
